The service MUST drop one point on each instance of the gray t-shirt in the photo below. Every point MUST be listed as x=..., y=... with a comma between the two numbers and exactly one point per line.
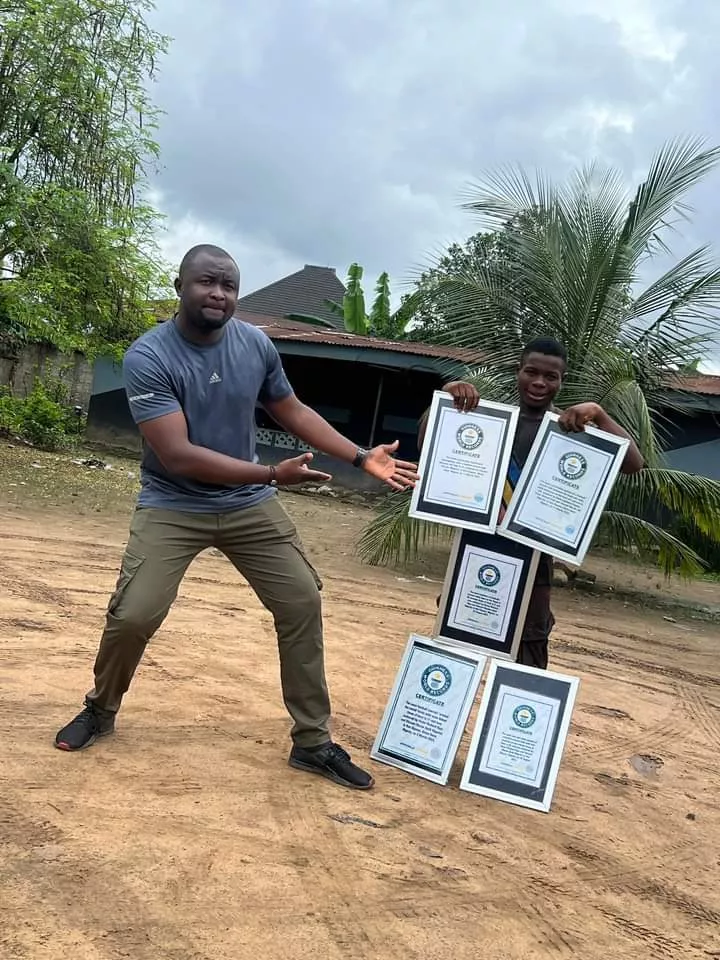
x=217, y=387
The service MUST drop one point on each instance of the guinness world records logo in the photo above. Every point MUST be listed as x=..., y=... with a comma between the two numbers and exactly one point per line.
x=524, y=716
x=436, y=680
x=572, y=465
x=469, y=436
x=488, y=575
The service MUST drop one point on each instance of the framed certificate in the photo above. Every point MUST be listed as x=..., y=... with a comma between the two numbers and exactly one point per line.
x=520, y=735
x=463, y=464
x=428, y=709
x=562, y=490
x=486, y=593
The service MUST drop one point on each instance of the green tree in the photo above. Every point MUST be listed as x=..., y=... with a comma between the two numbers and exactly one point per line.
x=76, y=140
x=432, y=310
x=80, y=282
x=572, y=259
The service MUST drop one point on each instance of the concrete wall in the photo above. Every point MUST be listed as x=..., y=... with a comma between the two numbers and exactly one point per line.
x=38, y=360
x=702, y=459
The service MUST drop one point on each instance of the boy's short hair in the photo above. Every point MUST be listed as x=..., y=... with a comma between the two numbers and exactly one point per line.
x=547, y=345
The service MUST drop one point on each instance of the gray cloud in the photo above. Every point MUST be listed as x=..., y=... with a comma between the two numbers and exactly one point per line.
x=322, y=132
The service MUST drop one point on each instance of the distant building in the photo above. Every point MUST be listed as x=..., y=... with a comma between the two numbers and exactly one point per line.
x=369, y=389
x=374, y=390
x=300, y=294
x=693, y=426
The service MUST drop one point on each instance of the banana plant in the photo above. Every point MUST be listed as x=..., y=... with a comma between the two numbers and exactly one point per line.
x=352, y=309
x=382, y=321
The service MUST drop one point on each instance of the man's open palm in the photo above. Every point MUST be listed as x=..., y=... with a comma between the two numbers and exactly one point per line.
x=397, y=474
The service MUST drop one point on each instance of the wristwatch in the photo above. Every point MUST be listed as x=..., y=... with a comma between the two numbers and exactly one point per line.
x=360, y=457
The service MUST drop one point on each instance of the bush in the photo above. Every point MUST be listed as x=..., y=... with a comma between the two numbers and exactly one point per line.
x=42, y=418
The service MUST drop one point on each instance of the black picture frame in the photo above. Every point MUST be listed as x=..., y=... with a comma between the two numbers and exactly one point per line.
x=526, y=683
x=473, y=518
x=434, y=768
x=511, y=528
x=504, y=642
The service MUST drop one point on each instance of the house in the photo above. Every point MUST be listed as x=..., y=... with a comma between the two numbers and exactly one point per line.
x=693, y=426
x=371, y=390
x=301, y=294
x=374, y=390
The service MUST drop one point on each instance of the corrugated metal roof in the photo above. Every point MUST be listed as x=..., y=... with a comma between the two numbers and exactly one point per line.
x=277, y=329
x=304, y=333
x=705, y=383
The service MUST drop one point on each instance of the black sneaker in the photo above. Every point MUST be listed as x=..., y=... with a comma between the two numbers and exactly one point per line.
x=88, y=725
x=331, y=761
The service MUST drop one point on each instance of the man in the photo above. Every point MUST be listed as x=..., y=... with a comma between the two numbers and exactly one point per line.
x=539, y=379
x=192, y=385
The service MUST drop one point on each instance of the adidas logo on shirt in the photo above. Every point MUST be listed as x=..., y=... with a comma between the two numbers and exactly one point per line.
x=215, y=378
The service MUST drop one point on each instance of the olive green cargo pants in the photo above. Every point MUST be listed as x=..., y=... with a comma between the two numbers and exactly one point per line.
x=263, y=544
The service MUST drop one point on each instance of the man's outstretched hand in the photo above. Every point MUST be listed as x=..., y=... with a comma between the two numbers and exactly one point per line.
x=395, y=473
x=290, y=472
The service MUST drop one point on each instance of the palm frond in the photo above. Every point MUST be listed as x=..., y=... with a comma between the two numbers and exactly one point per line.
x=693, y=279
x=500, y=195
x=647, y=541
x=626, y=402
x=335, y=308
x=676, y=168
x=566, y=261
x=690, y=497
x=394, y=537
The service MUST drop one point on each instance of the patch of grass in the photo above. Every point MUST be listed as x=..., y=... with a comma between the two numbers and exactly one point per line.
x=29, y=476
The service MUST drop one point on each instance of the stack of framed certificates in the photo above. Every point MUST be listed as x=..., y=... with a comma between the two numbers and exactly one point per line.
x=554, y=509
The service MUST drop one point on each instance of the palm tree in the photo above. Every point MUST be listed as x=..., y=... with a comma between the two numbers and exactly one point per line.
x=574, y=255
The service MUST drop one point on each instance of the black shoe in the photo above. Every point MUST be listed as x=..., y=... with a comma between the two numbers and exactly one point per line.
x=84, y=730
x=333, y=762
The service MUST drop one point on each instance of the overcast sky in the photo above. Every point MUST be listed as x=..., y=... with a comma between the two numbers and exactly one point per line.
x=327, y=131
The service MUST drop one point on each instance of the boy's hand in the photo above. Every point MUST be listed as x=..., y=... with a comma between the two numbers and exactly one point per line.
x=574, y=419
x=464, y=394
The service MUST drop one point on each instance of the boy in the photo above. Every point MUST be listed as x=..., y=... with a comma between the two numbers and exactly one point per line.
x=543, y=364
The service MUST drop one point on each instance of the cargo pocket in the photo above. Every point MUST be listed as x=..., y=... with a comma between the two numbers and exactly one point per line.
x=297, y=544
x=131, y=563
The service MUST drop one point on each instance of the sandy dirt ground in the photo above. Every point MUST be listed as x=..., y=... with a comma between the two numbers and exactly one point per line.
x=187, y=837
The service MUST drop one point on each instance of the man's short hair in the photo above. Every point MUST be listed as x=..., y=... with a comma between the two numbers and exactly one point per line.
x=547, y=345
x=199, y=249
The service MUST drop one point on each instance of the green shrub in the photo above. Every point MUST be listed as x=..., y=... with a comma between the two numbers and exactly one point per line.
x=42, y=418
